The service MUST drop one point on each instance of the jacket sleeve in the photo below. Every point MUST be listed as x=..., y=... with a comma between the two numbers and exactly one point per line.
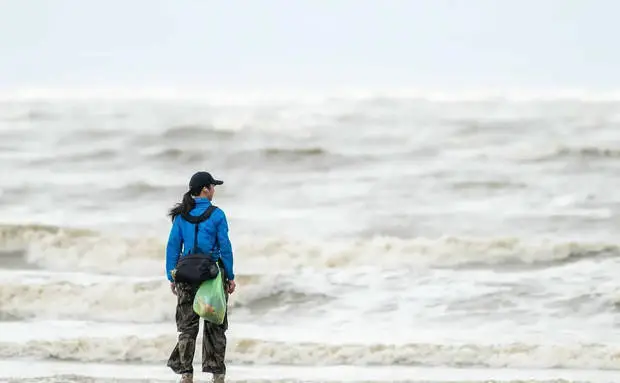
x=173, y=248
x=226, y=253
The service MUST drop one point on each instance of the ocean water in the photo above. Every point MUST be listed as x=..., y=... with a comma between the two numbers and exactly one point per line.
x=376, y=239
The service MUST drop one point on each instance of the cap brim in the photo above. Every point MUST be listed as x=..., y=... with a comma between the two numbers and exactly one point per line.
x=218, y=182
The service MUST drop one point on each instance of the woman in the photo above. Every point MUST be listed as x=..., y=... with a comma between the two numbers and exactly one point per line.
x=212, y=234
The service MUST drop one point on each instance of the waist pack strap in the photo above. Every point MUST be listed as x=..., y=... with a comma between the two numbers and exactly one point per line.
x=196, y=220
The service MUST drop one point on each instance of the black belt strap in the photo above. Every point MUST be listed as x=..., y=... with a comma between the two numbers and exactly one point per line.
x=196, y=220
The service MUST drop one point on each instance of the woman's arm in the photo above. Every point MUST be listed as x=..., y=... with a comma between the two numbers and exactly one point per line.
x=226, y=253
x=173, y=248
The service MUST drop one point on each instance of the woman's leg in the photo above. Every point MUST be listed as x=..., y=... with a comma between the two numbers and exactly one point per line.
x=214, y=343
x=214, y=347
x=188, y=323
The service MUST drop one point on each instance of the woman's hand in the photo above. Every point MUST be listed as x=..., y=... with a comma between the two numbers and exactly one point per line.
x=173, y=287
x=231, y=287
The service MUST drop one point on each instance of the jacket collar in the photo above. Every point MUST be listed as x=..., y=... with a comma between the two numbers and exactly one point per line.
x=200, y=201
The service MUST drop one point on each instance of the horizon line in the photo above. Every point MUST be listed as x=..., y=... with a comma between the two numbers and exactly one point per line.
x=308, y=93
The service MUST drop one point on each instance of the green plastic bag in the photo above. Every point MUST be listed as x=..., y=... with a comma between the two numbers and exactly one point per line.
x=210, y=300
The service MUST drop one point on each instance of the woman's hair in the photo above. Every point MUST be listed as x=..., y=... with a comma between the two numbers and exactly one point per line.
x=185, y=206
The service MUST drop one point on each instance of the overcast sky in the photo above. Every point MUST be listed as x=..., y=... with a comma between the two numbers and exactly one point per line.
x=304, y=43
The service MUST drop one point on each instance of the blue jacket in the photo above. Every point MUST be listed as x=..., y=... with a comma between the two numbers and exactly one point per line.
x=181, y=239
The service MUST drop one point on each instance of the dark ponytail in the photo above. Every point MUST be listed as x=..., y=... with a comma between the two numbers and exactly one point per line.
x=186, y=205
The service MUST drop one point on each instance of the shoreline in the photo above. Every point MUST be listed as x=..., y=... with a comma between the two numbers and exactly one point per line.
x=17, y=370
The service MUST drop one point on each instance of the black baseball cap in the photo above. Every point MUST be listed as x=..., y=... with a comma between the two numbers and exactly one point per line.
x=202, y=179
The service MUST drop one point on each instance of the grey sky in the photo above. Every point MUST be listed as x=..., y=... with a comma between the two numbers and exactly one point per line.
x=297, y=43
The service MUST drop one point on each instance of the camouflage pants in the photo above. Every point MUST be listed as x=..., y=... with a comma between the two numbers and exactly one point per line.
x=213, y=338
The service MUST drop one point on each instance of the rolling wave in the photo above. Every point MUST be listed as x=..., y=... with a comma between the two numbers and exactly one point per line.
x=196, y=132
x=589, y=152
x=292, y=152
x=578, y=153
x=179, y=155
x=92, y=156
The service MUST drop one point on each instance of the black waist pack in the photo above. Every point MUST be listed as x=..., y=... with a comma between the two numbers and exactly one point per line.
x=197, y=266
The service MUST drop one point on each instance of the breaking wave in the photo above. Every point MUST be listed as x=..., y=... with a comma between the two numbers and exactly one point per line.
x=64, y=249
x=148, y=300
x=250, y=351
